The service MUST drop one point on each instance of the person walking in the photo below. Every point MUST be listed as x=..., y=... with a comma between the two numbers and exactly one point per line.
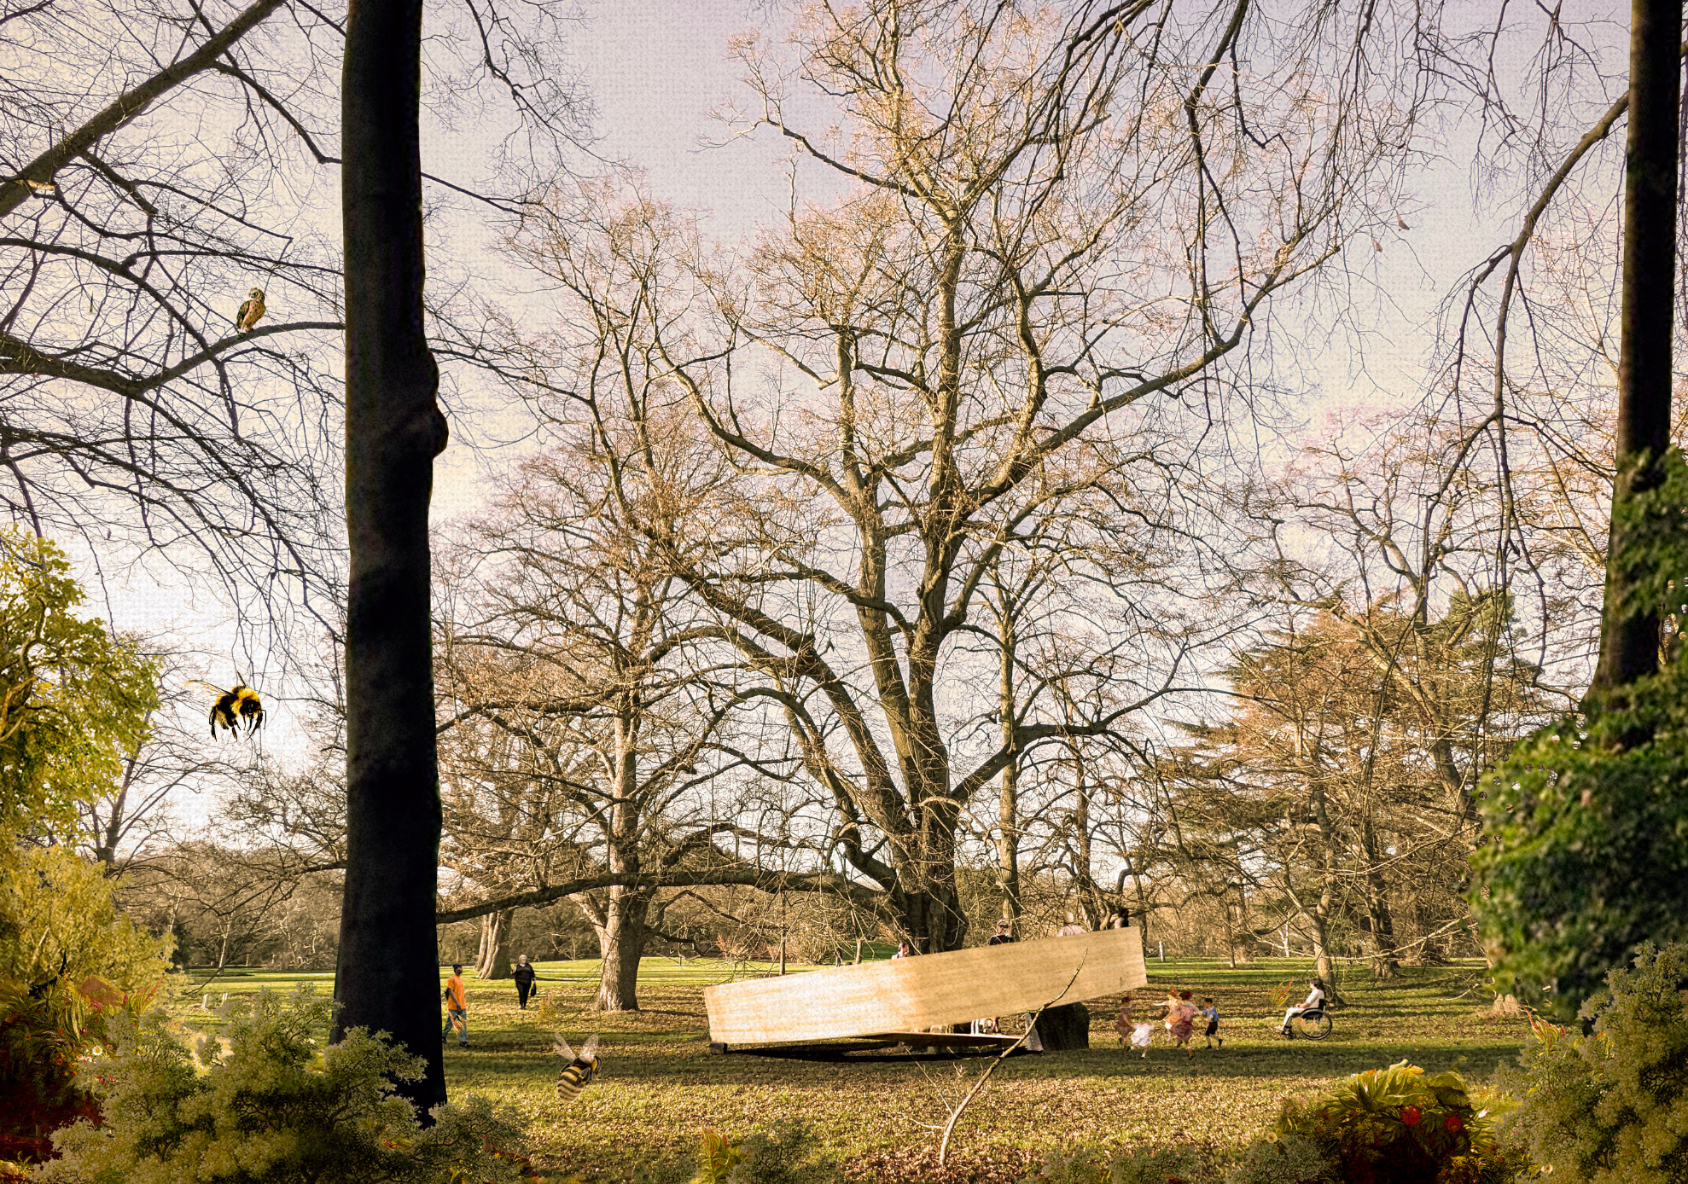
x=456, y=998
x=523, y=975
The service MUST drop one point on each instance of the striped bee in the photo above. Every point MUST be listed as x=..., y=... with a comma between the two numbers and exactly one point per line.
x=233, y=708
x=580, y=1070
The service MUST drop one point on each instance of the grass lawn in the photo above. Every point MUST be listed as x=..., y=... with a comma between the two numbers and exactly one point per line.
x=659, y=1086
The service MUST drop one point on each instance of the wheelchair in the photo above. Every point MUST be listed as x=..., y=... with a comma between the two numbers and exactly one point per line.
x=1312, y=1024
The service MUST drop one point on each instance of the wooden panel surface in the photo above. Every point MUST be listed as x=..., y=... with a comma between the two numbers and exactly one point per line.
x=907, y=994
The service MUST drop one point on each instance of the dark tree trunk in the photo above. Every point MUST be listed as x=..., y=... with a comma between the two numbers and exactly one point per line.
x=1065, y=1028
x=387, y=978
x=925, y=899
x=1629, y=633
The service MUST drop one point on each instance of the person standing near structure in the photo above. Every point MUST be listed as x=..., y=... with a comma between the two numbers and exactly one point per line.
x=523, y=976
x=456, y=998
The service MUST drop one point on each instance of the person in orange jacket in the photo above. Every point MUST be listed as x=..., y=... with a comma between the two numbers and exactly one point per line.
x=456, y=998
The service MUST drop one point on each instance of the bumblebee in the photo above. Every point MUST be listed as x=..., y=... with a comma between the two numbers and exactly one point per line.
x=580, y=1070
x=234, y=707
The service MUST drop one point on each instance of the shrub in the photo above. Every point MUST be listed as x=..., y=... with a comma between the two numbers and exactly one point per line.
x=277, y=1107
x=1283, y=1161
x=1585, y=824
x=1400, y=1126
x=718, y=1156
x=1150, y=1165
x=1611, y=1106
x=69, y=963
x=788, y=1153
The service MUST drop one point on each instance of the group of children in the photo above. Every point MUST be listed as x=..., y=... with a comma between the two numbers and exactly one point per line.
x=1180, y=1022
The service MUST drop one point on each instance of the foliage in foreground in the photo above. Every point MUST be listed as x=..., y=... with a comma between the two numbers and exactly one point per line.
x=73, y=701
x=1587, y=823
x=1399, y=1126
x=276, y=1107
x=788, y=1153
x=70, y=964
x=1613, y=1105
x=1385, y=1126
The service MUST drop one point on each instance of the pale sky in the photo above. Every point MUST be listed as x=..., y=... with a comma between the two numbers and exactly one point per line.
x=656, y=68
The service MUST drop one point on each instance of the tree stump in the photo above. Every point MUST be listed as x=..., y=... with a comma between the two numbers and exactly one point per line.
x=1063, y=1029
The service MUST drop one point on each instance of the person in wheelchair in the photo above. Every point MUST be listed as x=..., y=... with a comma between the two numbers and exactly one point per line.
x=1315, y=1001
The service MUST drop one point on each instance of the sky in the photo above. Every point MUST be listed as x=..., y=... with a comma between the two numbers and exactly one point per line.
x=656, y=70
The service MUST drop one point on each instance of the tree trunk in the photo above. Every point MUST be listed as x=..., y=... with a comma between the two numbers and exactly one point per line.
x=493, y=960
x=1065, y=1028
x=1380, y=920
x=387, y=977
x=1327, y=898
x=621, y=943
x=925, y=898
x=1629, y=631
x=1008, y=806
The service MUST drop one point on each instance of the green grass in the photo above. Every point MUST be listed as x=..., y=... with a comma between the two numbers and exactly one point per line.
x=659, y=1086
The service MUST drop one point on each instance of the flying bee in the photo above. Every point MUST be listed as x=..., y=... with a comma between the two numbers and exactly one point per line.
x=580, y=1070
x=234, y=707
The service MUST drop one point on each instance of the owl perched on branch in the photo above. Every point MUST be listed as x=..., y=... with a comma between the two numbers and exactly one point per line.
x=250, y=310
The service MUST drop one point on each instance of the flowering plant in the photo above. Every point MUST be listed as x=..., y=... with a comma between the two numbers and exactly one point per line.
x=1400, y=1124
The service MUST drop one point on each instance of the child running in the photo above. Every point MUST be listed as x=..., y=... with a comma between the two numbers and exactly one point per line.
x=1212, y=1014
x=1180, y=1020
x=1140, y=1033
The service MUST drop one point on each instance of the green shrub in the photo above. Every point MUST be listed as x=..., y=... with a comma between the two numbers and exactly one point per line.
x=277, y=1107
x=1149, y=1165
x=70, y=963
x=787, y=1153
x=1613, y=1106
x=1585, y=824
x=718, y=1156
x=1283, y=1161
x=1400, y=1126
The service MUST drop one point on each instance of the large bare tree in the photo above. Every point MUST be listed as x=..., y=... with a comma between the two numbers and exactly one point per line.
x=1053, y=233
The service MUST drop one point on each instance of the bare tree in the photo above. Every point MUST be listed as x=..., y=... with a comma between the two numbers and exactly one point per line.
x=1051, y=239
x=140, y=157
x=585, y=726
x=129, y=823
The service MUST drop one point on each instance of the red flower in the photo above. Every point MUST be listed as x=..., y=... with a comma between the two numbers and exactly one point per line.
x=1410, y=1115
x=1452, y=1123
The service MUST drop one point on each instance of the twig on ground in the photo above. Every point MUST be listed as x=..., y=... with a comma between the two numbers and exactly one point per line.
x=979, y=1085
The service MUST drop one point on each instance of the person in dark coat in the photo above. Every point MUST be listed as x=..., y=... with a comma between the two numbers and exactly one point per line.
x=523, y=974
